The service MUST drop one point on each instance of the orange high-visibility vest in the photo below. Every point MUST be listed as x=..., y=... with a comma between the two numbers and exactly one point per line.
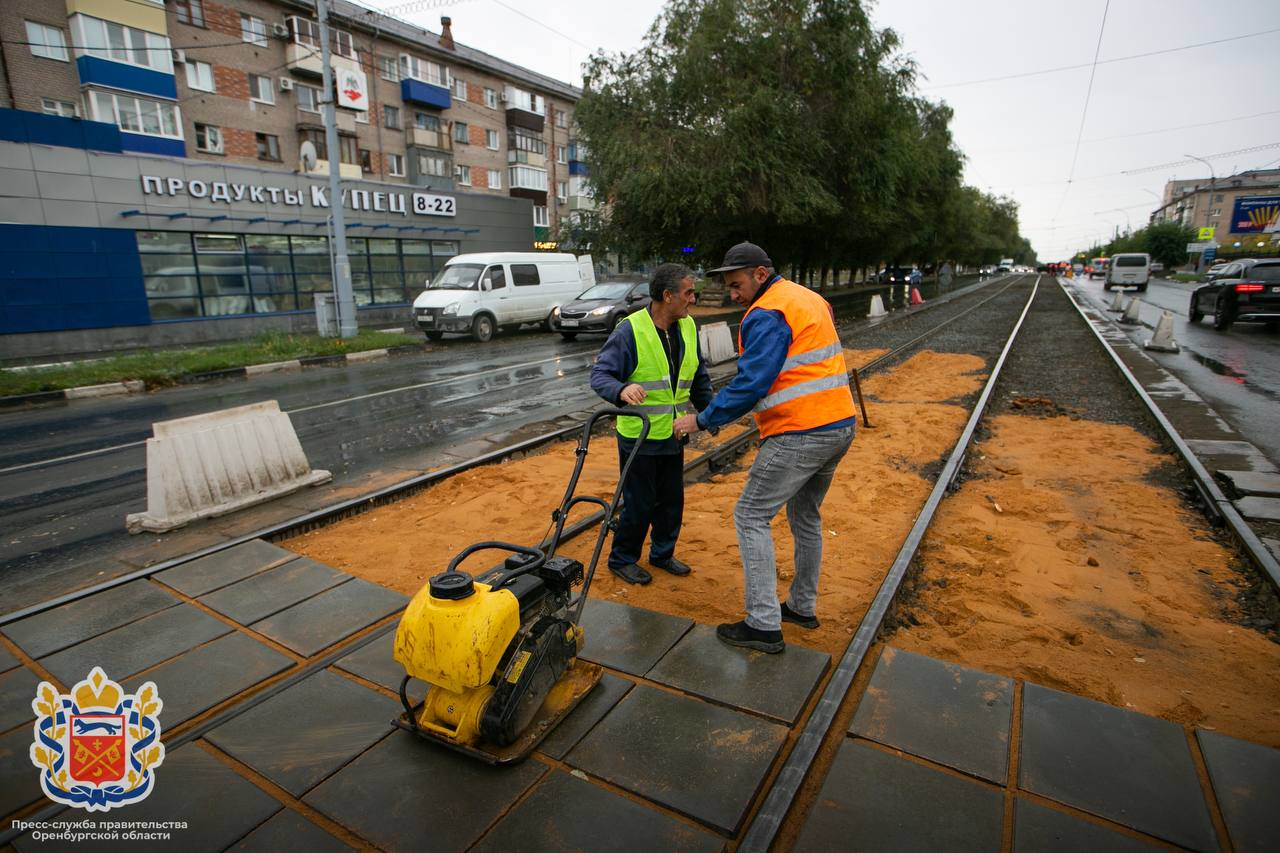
x=812, y=390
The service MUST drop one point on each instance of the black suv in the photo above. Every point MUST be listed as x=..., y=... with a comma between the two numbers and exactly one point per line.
x=1243, y=291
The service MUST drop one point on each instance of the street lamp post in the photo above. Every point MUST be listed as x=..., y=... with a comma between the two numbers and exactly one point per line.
x=1208, y=208
x=347, y=326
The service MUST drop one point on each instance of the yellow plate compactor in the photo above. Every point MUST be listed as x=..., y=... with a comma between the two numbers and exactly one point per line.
x=499, y=652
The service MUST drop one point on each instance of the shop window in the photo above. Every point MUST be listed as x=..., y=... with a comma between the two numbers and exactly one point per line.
x=46, y=41
x=268, y=146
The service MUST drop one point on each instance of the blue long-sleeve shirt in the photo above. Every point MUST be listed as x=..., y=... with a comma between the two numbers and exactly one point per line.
x=618, y=359
x=766, y=337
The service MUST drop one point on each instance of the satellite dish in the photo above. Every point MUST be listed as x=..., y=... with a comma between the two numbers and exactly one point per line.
x=307, y=154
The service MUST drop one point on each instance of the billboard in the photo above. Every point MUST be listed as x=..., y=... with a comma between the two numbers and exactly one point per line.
x=1256, y=215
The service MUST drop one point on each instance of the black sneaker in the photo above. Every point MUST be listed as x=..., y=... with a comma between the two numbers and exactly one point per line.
x=742, y=634
x=631, y=573
x=789, y=615
x=673, y=566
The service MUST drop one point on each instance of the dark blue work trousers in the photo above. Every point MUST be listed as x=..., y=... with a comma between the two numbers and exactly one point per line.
x=652, y=496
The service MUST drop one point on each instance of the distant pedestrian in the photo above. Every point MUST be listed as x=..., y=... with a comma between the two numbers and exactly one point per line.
x=945, y=276
x=792, y=376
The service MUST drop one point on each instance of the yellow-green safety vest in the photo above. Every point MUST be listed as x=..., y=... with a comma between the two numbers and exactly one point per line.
x=662, y=403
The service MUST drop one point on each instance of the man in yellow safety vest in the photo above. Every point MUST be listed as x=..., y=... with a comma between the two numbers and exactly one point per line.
x=651, y=364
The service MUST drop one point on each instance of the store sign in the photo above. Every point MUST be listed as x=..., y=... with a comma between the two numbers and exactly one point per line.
x=1256, y=215
x=545, y=245
x=353, y=89
x=372, y=201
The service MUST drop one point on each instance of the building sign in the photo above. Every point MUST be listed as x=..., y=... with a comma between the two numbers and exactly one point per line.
x=353, y=89
x=373, y=201
x=545, y=245
x=1256, y=215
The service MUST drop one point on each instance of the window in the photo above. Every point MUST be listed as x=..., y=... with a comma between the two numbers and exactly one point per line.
x=66, y=109
x=260, y=89
x=420, y=69
x=460, y=89
x=560, y=119
x=268, y=146
x=388, y=68
x=461, y=132
x=432, y=165
x=520, y=139
x=362, y=116
x=366, y=160
x=495, y=278
x=491, y=99
x=46, y=41
x=426, y=121
x=308, y=98
x=208, y=138
x=348, y=150
x=495, y=179
x=304, y=31
x=1217, y=211
x=491, y=140
x=527, y=178
x=109, y=40
x=391, y=117
x=190, y=12
x=1218, y=197
x=540, y=216
x=395, y=165
x=464, y=175
x=200, y=76
x=562, y=191
x=343, y=45
x=253, y=30
x=525, y=275
x=137, y=115
x=315, y=136
x=562, y=154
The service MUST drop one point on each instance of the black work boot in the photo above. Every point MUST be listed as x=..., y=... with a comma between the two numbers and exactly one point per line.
x=673, y=566
x=789, y=615
x=632, y=573
x=742, y=634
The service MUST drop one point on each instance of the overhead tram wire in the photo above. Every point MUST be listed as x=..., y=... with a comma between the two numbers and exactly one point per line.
x=1129, y=135
x=1084, y=113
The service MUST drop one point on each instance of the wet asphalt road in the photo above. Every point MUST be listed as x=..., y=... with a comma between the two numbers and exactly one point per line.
x=1236, y=371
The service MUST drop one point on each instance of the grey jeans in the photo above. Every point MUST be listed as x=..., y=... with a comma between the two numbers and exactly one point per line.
x=794, y=470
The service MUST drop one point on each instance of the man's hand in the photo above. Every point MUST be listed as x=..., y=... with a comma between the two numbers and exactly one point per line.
x=686, y=425
x=632, y=394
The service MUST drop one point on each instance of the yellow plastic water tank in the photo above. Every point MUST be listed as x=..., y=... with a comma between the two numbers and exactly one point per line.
x=455, y=631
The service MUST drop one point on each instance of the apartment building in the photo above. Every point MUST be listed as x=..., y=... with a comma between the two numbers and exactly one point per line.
x=1242, y=208
x=214, y=101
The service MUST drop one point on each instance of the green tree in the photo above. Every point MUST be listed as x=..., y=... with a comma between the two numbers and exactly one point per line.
x=1166, y=242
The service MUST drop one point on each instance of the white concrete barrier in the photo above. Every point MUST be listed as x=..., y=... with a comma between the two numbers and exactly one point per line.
x=216, y=463
x=716, y=343
x=1162, y=340
x=1130, y=316
x=877, y=306
x=1117, y=304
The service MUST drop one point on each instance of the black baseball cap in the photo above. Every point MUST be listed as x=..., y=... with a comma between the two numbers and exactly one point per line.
x=740, y=256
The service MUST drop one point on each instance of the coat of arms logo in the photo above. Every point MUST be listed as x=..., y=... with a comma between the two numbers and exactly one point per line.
x=97, y=747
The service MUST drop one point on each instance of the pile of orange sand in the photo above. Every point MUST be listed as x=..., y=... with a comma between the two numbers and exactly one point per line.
x=868, y=512
x=1062, y=563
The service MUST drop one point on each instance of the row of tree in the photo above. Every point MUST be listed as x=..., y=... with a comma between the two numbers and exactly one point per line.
x=1165, y=242
x=792, y=123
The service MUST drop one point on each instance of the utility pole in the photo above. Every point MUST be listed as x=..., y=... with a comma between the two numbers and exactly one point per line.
x=347, y=326
x=1208, y=208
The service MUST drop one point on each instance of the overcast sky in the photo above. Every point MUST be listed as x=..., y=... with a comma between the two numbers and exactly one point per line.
x=1019, y=135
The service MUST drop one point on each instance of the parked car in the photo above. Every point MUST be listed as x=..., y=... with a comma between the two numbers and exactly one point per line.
x=600, y=308
x=480, y=293
x=1242, y=291
x=1131, y=269
x=897, y=275
x=987, y=270
x=1156, y=268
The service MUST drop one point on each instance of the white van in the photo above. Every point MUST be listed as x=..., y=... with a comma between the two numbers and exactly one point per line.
x=478, y=294
x=1131, y=269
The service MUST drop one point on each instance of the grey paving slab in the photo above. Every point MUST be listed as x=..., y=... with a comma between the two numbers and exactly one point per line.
x=8, y=660
x=289, y=830
x=775, y=685
x=333, y=615
x=218, y=805
x=566, y=814
x=192, y=683
x=1246, y=782
x=407, y=794
x=941, y=711
x=873, y=801
x=1037, y=829
x=19, y=779
x=607, y=693
x=225, y=567
x=302, y=735
x=1230, y=455
x=629, y=639
x=17, y=689
x=1259, y=509
x=96, y=614
x=138, y=645
x=1253, y=482
x=268, y=592
x=375, y=662
x=1126, y=767
x=700, y=759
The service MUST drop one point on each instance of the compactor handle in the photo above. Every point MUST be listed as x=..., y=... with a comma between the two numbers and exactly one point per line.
x=539, y=557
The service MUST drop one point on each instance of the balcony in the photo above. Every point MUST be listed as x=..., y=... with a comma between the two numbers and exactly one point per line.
x=426, y=94
x=525, y=109
x=581, y=202
x=349, y=171
x=527, y=158
x=421, y=138
x=303, y=59
x=527, y=182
